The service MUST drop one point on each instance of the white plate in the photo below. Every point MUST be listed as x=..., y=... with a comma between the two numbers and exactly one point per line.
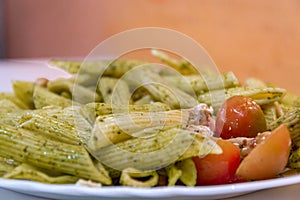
x=72, y=192
x=29, y=70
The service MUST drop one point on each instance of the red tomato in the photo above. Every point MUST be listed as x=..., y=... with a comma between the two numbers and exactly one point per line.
x=215, y=169
x=269, y=157
x=240, y=116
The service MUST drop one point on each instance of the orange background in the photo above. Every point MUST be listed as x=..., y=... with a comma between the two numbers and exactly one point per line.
x=250, y=37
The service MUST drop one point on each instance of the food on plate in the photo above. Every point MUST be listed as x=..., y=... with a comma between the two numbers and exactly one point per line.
x=139, y=124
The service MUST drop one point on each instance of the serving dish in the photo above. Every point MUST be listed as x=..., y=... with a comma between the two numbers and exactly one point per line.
x=30, y=70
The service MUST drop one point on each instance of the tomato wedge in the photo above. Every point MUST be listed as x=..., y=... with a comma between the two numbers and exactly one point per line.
x=215, y=169
x=268, y=158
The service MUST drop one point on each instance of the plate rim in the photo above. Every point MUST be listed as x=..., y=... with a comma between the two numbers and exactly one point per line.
x=32, y=187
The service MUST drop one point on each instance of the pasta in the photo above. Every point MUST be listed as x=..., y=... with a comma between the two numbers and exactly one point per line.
x=24, y=90
x=157, y=151
x=126, y=122
x=262, y=96
x=6, y=165
x=96, y=109
x=119, y=127
x=188, y=172
x=87, y=73
x=79, y=93
x=155, y=85
x=173, y=174
x=196, y=84
x=57, y=124
x=129, y=177
x=183, y=66
x=13, y=99
x=114, y=91
x=25, y=146
x=43, y=98
x=26, y=171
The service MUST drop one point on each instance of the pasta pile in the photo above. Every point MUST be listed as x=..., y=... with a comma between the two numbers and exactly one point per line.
x=125, y=122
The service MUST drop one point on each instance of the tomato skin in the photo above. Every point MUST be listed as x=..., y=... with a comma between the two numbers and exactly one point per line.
x=239, y=116
x=215, y=169
x=269, y=157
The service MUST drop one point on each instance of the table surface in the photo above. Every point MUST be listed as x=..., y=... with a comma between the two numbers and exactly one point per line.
x=27, y=69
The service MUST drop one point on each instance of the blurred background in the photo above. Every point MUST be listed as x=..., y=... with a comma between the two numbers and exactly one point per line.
x=253, y=38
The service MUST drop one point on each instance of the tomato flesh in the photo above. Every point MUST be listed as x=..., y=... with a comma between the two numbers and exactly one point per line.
x=269, y=157
x=239, y=116
x=214, y=169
